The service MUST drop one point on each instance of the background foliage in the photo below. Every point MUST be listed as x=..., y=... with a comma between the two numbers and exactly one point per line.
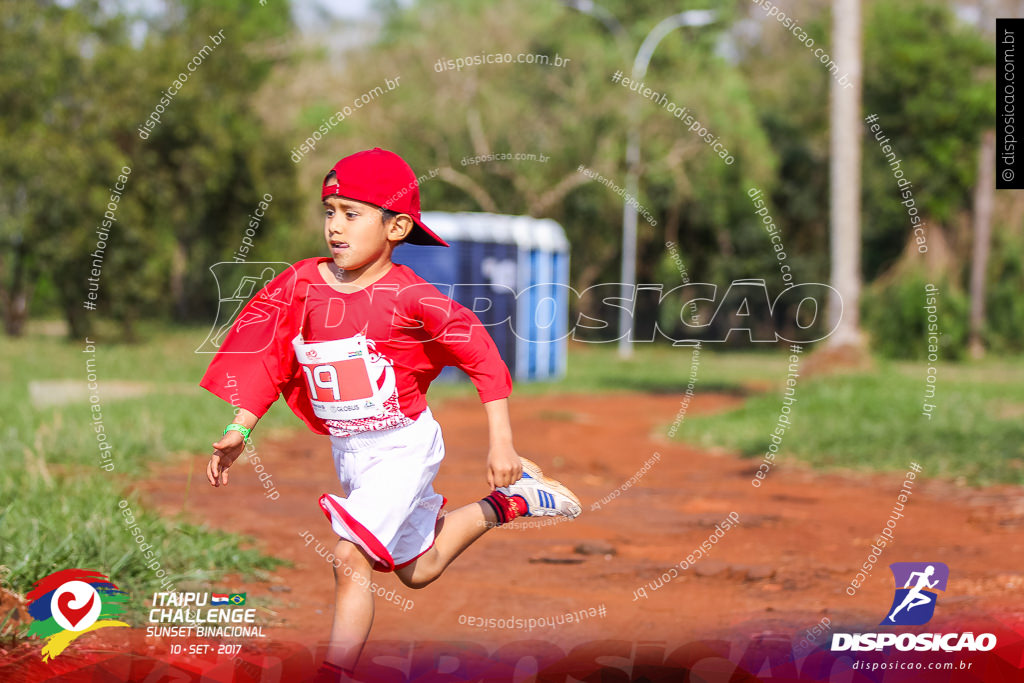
x=225, y=140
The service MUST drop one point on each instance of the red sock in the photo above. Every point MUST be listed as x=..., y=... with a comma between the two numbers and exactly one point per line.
x=506, y=507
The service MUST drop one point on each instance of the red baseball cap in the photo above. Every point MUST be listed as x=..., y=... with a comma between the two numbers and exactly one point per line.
x=382, y=178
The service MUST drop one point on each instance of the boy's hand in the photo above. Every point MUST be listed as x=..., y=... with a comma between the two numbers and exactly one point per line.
x=503, y=466
x=225, y=452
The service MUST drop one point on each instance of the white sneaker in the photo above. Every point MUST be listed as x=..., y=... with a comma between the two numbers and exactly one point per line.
x=545, y=497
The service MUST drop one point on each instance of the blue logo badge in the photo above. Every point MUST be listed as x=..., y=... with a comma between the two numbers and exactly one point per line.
x=917, y=584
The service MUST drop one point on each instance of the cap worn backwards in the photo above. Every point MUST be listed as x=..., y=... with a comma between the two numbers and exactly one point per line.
x=382, y=178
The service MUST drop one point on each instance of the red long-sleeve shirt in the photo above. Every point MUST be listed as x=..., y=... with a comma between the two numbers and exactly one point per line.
x=409, y=329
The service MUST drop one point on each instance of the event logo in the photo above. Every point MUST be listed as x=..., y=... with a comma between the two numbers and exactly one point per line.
x=914, y=603
x=71, y=603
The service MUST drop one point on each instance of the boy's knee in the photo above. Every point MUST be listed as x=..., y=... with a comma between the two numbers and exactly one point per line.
x=415, y=582
x=348, y=558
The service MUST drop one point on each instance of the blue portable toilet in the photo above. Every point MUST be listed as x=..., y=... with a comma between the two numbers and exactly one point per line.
x=517, y=263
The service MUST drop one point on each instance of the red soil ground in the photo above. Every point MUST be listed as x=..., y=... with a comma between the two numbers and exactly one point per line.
x=801, y=538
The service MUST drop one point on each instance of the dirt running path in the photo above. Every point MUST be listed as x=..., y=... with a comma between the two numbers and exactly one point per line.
x=802, y=534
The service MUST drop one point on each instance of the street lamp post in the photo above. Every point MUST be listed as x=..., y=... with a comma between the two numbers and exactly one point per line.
x=629, y=210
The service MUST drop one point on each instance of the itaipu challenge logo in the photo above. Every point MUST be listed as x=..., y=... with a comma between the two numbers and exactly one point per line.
x=914, y=603
x=70, y=603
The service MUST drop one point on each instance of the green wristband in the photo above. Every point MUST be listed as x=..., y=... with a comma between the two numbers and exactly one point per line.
x=242, y=429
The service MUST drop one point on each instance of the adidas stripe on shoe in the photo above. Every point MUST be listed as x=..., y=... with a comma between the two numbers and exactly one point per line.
x=545, y=497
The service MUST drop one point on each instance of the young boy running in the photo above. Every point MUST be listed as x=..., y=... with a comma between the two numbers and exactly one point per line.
x=352, y=342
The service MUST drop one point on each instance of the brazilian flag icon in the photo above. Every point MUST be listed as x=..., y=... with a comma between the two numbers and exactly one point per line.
x=237, y=598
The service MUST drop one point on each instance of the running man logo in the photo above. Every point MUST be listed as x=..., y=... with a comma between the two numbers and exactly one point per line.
x=254, y=313
x=914, y=603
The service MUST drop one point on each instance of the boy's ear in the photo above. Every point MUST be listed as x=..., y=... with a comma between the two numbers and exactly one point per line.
x=400, y=227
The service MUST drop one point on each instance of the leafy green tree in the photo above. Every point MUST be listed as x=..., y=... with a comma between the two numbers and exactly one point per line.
x=929, y=78
x=931, y=86
x=63, y=151
x=576, y=115
x=203, y=169
x=81, y=93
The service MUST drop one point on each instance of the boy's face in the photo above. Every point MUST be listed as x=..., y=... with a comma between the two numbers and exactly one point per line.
x=357, y=234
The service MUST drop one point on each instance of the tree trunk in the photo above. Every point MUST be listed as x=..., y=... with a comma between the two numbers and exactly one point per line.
x=79, y=324
x=179, y=266
x=17, y=283
x=844, y=181
x=984, y=196
x=16, y=289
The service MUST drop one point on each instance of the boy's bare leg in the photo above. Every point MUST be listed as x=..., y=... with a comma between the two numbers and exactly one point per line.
x=353, y=605
x=458, y=531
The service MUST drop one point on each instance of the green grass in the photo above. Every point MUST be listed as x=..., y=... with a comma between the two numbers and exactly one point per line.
x=866, y=421
x=653, y=369
x=874, y=421
x=177, y=417
x=58, y=509
x=52, y=522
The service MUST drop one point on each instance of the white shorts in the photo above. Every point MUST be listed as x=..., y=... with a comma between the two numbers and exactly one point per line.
x=391, y=509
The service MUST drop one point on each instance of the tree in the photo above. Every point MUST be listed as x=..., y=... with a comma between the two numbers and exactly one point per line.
x=62, y=153
x=984, y=196
x=931, y=84
x=78, y=92
x=575, y=115
x=205, y=167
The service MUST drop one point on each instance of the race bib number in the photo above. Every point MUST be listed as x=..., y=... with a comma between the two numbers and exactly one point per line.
x=338, y=374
